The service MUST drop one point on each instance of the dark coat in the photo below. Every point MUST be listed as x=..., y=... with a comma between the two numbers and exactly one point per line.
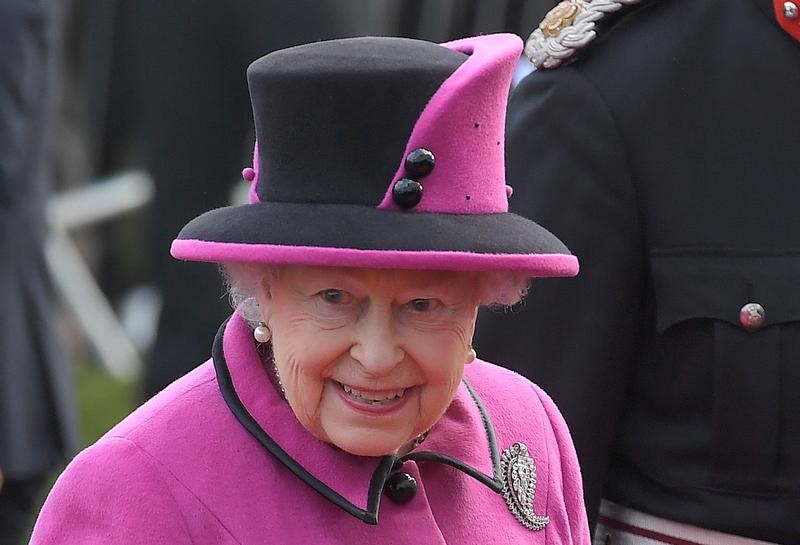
x=666, y=159
x=36, y=422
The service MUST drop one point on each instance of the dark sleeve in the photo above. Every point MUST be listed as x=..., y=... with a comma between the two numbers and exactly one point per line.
x=575, y=337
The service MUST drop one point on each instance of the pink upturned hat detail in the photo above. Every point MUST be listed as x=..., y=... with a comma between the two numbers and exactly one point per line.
x=463, y=125
x=380, y=152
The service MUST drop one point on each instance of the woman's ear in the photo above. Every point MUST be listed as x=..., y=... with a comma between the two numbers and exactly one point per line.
x=471, y=354
x=264, y=298
x=474, y=323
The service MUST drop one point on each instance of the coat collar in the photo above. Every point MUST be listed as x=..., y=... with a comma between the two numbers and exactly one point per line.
x=464, y=437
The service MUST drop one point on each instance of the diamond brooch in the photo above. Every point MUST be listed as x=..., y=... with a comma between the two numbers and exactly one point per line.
x=519, y=486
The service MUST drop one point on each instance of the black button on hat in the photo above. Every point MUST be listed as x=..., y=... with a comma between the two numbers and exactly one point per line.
x=401, y=488
x=419, y=163
x=407, y=193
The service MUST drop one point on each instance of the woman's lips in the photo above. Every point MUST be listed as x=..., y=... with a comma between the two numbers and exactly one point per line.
x=372, y=401
x=373, y=397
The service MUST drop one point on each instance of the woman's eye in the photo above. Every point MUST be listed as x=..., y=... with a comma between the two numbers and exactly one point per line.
x=334, y=297
x=422, y=305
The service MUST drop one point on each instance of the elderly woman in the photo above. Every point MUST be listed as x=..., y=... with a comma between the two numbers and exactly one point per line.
x=343, y=402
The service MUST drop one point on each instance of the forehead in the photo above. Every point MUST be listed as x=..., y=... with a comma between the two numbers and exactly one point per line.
x=392, y=279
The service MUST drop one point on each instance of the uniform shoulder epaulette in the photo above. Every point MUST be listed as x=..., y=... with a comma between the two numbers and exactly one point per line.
x=567, y=28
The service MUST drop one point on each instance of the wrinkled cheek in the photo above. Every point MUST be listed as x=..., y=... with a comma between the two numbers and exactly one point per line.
x=310, y=392
x=303, y=391
x=450, y=371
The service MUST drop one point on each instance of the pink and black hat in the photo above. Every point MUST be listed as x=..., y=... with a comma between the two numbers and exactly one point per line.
x=381, y=153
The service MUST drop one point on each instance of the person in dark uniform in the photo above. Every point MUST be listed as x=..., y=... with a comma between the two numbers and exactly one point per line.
x=664, y=154
x=37, y=425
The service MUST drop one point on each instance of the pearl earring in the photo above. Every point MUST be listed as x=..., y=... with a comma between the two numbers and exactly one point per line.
x=261, y=333
x=471, y=355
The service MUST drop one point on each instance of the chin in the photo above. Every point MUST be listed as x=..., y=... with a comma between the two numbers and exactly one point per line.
x=366, y=447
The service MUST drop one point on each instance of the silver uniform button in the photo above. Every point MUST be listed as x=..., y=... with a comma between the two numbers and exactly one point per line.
x=790, y=10
x=752, y=316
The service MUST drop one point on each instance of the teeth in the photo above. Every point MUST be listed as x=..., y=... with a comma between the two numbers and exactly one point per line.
x=375, y=397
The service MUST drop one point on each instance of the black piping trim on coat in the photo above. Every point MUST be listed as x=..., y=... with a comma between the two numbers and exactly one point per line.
x=381, y=473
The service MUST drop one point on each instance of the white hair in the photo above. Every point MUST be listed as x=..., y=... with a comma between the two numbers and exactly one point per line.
x=498, y=289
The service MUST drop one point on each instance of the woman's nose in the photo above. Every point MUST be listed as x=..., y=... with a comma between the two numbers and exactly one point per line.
x=376, y=345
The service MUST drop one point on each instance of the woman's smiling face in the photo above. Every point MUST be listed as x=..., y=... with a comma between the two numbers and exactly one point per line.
x=369, y=358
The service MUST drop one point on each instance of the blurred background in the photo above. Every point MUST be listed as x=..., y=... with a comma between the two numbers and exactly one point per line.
x=147, y=124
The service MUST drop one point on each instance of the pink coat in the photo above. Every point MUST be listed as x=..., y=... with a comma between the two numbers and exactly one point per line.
x=182, y=469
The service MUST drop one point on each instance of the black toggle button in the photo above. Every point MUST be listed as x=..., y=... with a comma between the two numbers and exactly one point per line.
x=407, y=193
x=401, y=488
x=419, y=163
